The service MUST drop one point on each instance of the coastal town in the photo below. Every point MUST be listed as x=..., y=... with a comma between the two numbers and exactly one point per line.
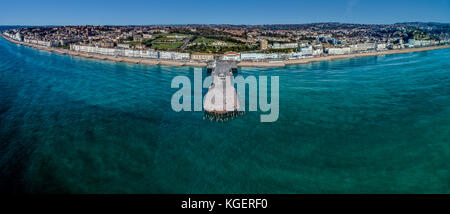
x=263, y=45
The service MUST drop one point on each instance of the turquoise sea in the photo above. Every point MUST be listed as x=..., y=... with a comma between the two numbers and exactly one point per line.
x=364, y=125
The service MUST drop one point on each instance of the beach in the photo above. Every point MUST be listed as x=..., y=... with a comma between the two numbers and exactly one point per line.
x=281, y=63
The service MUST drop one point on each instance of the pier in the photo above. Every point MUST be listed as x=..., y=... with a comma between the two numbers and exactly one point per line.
x=221, y=98
x=222, y=66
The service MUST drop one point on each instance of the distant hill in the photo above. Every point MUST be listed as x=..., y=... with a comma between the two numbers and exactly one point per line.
x=7, y=27
x=423, y=23
x=424, y=29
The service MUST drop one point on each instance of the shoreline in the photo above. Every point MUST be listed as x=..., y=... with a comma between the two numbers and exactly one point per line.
x=281, y=63
x=337, y=57
x=109, y=58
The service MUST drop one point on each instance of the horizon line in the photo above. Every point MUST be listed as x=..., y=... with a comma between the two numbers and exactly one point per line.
x=406, y=22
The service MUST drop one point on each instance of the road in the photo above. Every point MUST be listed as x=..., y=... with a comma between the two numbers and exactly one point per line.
x=185, y=43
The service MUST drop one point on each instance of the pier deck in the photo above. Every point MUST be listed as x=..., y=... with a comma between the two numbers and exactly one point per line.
x=221, y=97
x=222, y=66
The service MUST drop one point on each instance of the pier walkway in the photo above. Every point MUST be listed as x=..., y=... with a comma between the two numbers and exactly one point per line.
x=221, y=97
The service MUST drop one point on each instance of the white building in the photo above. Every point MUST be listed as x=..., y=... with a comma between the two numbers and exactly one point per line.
x=152, y=54
x=126, y=46
x=174, y=55
x=42, y=43
x=18, y=37
x=284, y=55
x=284, y=46
x=63, y=42
x=258, y=56
x=149, y=53
x=295, y=55
x=317, y=52
x=338, y=51
x=231, y=56
x=166, y=55
x=419, y=43
x=308, y=51
x=381, y=47
x=182, y=56
x=147, y=36
x=363, y=47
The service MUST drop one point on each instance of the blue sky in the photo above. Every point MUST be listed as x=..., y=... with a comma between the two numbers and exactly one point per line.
x=140, y=12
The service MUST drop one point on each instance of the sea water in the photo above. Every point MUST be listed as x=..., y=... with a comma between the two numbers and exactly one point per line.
x=363, y=125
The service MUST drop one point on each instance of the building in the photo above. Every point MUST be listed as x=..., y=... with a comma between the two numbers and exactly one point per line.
x=166, y=55
x=88, y=32
x=43, y=43
x=149, y=53
x=363, y=47
x=231, y=56
x=264, y=44
x=295, y=55
x=381, y=47
x=173, y=55
x=182, y=56
x=64, y=42
x=19, y=37
x=338, y=51
x=317, y=52
x=419, y=43
x=140, y=47
x=126, y=46
x=147, y=36
x=138, y=38
x=284, y=46
x=107, y=44
x=202, y=56
x=259, y=56
x=327, y=39
x=308, y=51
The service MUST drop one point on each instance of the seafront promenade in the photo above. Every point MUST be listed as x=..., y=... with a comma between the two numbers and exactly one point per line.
x=110, y=58
x=336, y=57
x=279, y=63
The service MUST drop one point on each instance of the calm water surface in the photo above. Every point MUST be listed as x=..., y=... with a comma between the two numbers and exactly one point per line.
x=367, y=125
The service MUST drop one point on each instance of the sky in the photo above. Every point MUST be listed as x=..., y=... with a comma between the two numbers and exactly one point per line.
x=140, y=12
